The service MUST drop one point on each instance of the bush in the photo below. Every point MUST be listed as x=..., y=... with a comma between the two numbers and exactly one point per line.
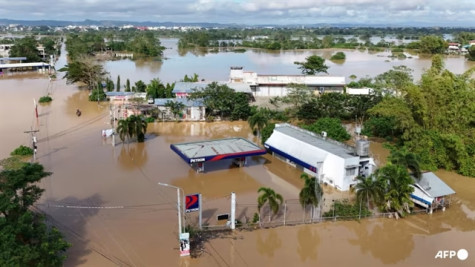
x=346, y=209
x=45, y=99
x=380, y=127
x=255, y=219
x=397, y=50
x=149, y=119
x=267, y=132
x=22, y=151
x=97, y=95
x=338, y=56
x=331, y=126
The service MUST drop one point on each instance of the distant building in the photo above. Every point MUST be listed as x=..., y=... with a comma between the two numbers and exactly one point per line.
x=331, y=162
x=184, y=89
x=278, y=85
x=431, y=192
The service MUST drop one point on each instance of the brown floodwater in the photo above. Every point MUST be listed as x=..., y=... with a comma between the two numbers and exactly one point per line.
x=107, y=202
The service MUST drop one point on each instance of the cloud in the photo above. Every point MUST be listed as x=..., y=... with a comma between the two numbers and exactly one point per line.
x=436, y=12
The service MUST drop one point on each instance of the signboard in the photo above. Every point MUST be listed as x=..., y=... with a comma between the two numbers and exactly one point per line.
x=192, y=203
x=184, y=244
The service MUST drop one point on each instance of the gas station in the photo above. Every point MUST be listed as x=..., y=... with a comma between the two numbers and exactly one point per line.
x=198, y=153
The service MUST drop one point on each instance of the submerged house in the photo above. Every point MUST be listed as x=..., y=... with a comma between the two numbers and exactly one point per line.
x=331, y=162
x=431, y=192
x=278, y=85
x=194, y=110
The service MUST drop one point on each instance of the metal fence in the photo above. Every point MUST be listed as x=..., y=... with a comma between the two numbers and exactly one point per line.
x=290, y=213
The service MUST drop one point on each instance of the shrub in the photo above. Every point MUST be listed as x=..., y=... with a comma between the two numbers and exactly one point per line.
x=22, y=151
x=45, y=99
x=338, y=56
x=149, y=119
x=331, y=126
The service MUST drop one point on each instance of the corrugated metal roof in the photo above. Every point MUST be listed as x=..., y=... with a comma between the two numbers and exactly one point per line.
x=212, y=150
x=306, y=140
x=185, y=101
x=21, y=65
x=119, y=93
x=433, y=185
x=188, y=87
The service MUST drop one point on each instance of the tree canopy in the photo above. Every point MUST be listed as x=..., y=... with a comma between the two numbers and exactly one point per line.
x=435, y=118
x=312, y=65
x=84, y=70
x=25, y=239
x=26, y=47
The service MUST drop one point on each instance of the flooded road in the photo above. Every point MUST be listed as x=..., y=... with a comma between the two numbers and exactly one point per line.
x=107, y=202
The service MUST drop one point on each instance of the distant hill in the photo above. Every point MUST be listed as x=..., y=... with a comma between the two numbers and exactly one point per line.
x=116, y=23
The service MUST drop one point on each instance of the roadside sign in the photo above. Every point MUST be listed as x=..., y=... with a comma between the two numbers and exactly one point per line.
x=184, y=244
x=192, y=203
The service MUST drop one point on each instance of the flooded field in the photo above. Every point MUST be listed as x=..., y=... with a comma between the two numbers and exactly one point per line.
x=107, y=201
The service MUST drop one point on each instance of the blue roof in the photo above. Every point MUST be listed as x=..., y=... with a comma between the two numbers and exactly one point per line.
x=119, y=93
x=187, y=102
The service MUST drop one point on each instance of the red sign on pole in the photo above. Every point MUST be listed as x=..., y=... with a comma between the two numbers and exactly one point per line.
x=192, y=203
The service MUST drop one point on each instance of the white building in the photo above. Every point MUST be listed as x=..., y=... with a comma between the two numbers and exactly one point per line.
x=194, y=110
x=278, y=85
x=330, y=161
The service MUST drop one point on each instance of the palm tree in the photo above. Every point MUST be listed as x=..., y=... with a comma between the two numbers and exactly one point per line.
x=367, y=189
x=407, y=160
x=311, y=193
x=271, y=197
x=398, y=188
x=123, y=129
x=259, y=120
x=133, y=126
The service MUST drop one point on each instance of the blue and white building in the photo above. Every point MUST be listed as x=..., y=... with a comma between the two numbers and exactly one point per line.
x=332, y=162
x=431, y=192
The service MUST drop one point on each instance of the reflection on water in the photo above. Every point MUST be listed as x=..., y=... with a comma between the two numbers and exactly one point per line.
x=215, y=66
x=85, y=165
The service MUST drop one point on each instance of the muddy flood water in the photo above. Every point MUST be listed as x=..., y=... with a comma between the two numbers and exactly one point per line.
x=107, y=202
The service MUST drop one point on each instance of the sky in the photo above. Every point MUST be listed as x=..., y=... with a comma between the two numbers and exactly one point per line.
x=250, y=12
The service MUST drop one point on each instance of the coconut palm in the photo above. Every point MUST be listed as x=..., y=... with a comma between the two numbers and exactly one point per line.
x=407, y=160
x=271, y=197
x=311, y=193
x=132, y=127
x=259, y=120
x=398, y=188
x=367, y=189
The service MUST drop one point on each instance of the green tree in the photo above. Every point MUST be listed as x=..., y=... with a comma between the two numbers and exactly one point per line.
x=25, y=240
x=313, y=65
x=26, y=47
x=267, y=132
x=134, y=126
x=259, y=120
x=369, y=188
x=269, y=196
x=471, y=53
x=84, y=70
x=405, y=159
x=118, y=84
x=331, y=126
x=191, y=79
x=127, y=85
x=219, y=99
x=298, y=95
x=433, y=44
x=156, y=89
x=311, y=193
x=397, y=189
x=140, y=86
x=175, y=107
x=338, y=56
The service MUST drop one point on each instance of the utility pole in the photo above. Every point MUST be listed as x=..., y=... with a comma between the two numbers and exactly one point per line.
x=33, y=141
